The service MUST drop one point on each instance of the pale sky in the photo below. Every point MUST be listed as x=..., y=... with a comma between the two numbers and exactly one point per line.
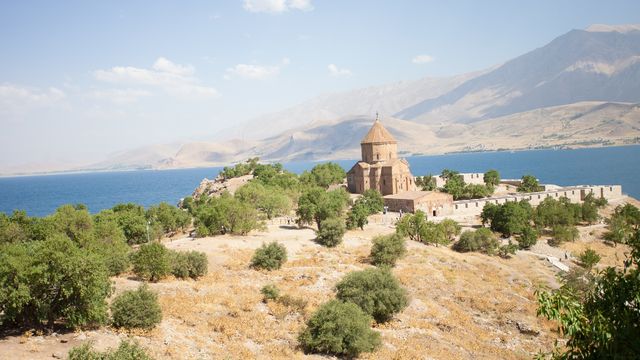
x=82, y=79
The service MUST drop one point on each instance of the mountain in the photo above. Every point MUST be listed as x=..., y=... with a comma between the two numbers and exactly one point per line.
x=581, y=89
x=582, y=65
x=386, y=99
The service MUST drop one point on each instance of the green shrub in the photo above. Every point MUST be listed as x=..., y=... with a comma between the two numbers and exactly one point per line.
x=563, y=233
x=270, y=292
x=528, y=237
x=376, y=291
x=387, y=249
x=193, y=264
x=110, y=243
x=152, y=262
x=269, y=257
x=52, y=280
x=202, y=231
x=589, y=258
x=480, y=240
x=127, y=350
x=339, y=328
x=331, y=232
x=136, y=309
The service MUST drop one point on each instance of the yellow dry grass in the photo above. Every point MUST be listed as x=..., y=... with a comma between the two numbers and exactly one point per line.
x=462, y=306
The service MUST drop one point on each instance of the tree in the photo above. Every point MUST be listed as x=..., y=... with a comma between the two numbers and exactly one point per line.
x=357, y=217
x=136, y=309
x=52, y=280
x=169, y=218
x=426, y=183
x=316, y=205
x=481, y=240
x=373, y=200
x=226, y=214
x=192, y=264
x=413, y=226
x=527, y=238
x=509, y=218
x=127, y=350
x=529, y=183
x=269, y=257
x=455, y=186
x=131, y=218
x=270, y=200
x=492, y=178
x=323, y=175
x=339, y=328
x=619, y=231
x=110, y=244
x=450, y=228
x=563, y=233
x=387, y=249
x=151, y=262
x=75, y=222
x=375, y=290
x=603, y=322
x=331, y=232
x=588, y=258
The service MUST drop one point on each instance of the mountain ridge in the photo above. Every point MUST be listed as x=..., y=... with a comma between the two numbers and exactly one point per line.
x=580, y=89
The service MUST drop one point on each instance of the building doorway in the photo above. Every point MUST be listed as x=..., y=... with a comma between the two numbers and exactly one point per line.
x=434, y=213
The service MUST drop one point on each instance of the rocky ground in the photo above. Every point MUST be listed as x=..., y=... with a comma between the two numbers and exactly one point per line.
x=463, y=306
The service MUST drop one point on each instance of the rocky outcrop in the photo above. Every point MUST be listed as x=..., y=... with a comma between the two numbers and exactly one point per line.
x=219, y=185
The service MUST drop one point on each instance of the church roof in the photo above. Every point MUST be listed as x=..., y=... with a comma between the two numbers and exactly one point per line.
x=378, y=134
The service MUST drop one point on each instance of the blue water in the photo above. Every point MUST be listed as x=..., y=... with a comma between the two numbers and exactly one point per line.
x=41, y=195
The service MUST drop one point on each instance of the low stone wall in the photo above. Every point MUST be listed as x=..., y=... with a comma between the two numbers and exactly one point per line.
x=575, y=194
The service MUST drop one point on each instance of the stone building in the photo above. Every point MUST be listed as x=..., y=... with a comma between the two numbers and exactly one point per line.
x=380, y=167
x=432, y=203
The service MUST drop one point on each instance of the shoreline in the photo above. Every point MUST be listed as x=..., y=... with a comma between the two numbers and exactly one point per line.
x=220, y=165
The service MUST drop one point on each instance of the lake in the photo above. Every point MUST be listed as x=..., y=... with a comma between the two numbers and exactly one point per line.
x=41, y=195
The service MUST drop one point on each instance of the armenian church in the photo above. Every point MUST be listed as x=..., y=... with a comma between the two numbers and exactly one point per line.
x=380, y=167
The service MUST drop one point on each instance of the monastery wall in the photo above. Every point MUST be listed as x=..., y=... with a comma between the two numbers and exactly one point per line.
x=469, y=178
x=574, y=193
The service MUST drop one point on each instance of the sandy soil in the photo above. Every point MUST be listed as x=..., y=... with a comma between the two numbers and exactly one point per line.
x=463, y=306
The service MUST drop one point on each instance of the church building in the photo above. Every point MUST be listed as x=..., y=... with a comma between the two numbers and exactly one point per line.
x=380, y=168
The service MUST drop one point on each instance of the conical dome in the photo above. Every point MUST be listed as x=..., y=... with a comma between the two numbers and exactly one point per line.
x=378, y=134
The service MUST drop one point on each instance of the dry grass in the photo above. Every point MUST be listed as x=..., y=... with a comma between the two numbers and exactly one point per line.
x=462, y=306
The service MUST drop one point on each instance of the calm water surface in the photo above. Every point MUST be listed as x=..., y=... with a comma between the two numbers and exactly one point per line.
x=41, y=195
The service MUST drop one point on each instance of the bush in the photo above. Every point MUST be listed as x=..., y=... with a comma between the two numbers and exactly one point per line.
x=191, y=264
x=52, y=280
x=527, y=238
x=169, y=218
x=387, y=249
x=339, y=328
x=589, y=258
x=152, y=262
x=376, y=291
x=331, y=232
x=270, y=292
x=269, y=257
x=480, y=240
x=127, y=350
x=111, y=244
x=563, y=233
x=136, y=309
x=324, y=175
x=225, y=214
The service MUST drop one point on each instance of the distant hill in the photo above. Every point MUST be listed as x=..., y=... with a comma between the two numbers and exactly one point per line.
x=582, y=65
x=581, y=89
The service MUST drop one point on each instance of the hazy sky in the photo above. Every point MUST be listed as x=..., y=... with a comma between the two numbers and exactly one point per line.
x=81, y=79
